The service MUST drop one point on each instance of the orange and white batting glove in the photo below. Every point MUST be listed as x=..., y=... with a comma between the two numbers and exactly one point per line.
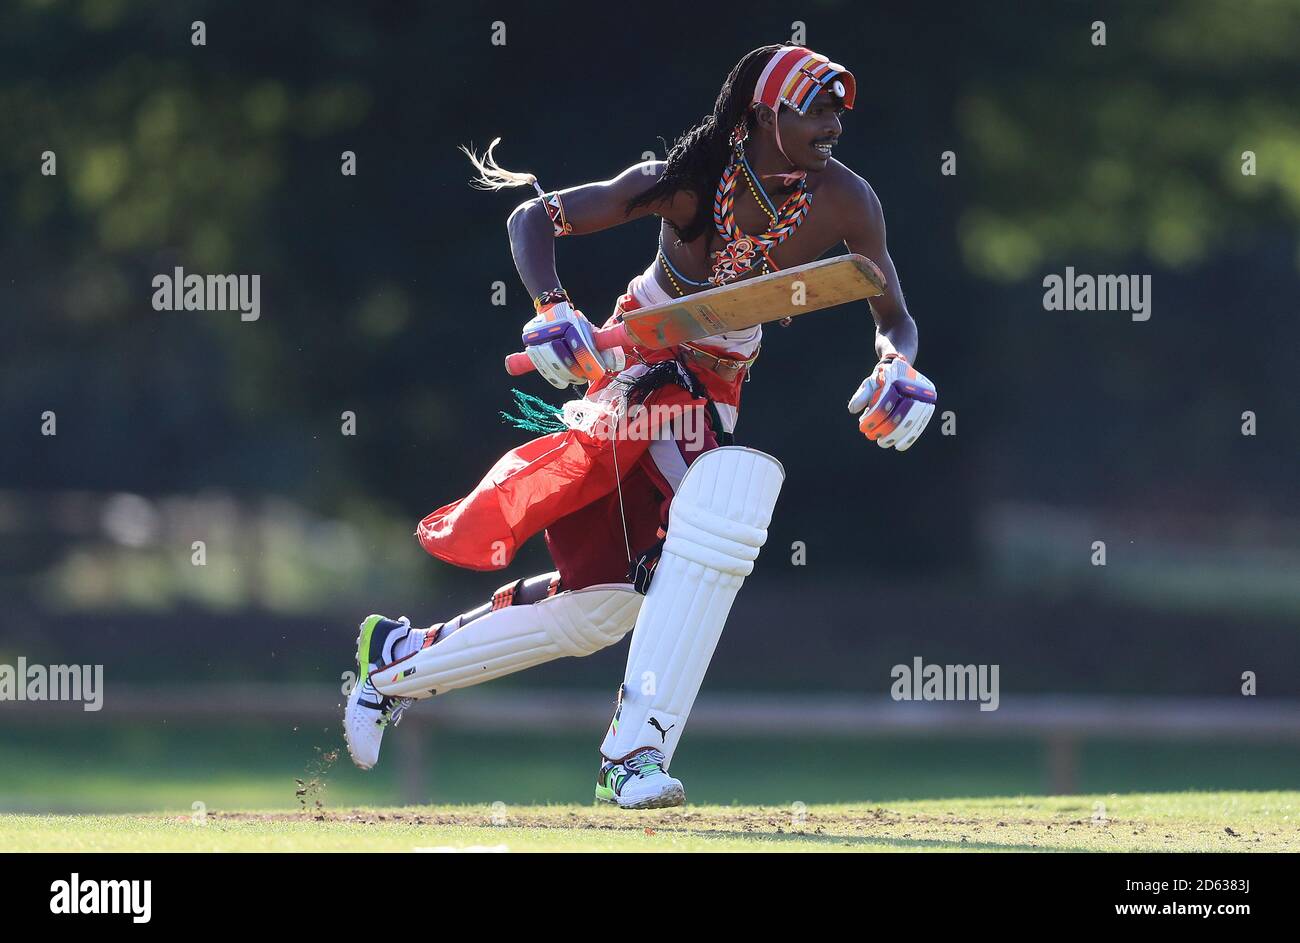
x=559, y=341
x=896, y=402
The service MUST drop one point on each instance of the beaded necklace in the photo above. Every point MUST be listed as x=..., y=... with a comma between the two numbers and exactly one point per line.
x=742, y=253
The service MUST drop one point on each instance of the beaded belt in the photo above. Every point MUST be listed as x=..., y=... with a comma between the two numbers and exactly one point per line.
x=726, y=369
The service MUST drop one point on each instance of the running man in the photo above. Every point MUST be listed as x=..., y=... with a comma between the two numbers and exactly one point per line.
x=650, y=534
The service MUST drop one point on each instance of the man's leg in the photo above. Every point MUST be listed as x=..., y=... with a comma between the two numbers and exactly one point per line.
x=717, y=523
x=528, y=622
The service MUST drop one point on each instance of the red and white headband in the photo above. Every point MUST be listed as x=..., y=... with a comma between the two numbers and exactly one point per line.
x=795, y=75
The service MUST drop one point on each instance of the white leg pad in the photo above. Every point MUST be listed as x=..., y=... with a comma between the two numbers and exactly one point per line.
x=717, y=523
x=576, y=622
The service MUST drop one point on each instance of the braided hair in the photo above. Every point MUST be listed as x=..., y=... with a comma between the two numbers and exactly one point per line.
x=699, y=156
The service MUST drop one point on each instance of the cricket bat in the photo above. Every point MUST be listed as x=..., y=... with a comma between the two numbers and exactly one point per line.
x=737, y=306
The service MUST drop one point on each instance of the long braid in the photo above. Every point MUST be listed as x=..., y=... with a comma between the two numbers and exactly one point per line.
x=697, y=159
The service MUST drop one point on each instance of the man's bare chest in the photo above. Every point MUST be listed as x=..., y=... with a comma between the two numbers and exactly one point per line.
x=820, y=230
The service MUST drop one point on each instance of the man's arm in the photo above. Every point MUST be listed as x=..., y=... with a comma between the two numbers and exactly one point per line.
x=895, y=329
x=588, y=208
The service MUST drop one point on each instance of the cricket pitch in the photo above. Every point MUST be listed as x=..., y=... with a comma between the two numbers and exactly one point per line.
x=1192, y=821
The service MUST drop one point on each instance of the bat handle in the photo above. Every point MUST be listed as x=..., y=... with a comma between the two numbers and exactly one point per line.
x=606, y=337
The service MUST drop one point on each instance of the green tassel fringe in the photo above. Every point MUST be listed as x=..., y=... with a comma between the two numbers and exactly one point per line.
x=535, y=415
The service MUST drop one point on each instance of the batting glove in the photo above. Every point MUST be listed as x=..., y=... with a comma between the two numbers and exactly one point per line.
x=560, y=344
x=896, y=402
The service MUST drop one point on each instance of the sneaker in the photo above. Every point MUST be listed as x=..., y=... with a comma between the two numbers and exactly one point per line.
x=639, y=782
x=368, y=713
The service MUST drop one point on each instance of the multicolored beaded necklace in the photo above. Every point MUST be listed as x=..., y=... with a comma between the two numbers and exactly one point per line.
x=742, y=253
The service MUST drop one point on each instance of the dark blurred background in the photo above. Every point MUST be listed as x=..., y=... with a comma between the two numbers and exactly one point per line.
x=976, y=547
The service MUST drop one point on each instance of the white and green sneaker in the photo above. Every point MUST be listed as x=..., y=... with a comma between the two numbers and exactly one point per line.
x=639, y=781
x=368, y=713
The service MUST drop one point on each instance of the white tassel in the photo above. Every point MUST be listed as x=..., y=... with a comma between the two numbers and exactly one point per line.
x=492, y=176
x=592, y=418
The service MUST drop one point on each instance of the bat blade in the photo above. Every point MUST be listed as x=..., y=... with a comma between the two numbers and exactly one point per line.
x=742, y=305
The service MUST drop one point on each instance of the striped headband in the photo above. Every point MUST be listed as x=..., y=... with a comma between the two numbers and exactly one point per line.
x=794, y=75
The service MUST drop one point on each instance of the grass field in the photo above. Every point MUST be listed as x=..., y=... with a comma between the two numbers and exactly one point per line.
x=170, y=767
x=134, y=788
x=1220, y=821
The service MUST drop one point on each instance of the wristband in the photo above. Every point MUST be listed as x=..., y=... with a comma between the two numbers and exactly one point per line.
x=549, y=297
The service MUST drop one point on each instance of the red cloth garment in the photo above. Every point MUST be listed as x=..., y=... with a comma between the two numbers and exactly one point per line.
x=533, y=486
x=565, y=483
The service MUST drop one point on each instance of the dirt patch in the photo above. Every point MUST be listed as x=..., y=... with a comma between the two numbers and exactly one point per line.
x=775, y=825
x=776, y=820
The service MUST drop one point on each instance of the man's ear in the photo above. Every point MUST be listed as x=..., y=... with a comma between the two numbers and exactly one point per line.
x=764, y=116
